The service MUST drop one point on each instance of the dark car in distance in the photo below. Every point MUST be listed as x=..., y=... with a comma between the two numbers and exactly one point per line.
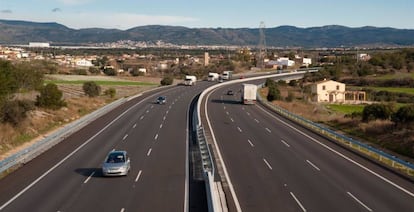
x=161, y=100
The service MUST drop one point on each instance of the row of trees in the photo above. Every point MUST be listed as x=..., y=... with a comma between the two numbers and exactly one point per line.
x=26, y=77
x=403, y=116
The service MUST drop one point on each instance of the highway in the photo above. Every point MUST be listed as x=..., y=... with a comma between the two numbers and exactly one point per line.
x=276, y=165
x=68, y=176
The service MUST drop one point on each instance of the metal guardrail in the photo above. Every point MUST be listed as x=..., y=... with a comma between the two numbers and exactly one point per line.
x=51, y=140
x=365, y=149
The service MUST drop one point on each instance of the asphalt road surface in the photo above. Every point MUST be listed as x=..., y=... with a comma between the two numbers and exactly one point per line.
x=68, y=177
x=276, y=165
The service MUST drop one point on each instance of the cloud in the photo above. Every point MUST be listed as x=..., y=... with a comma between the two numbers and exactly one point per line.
x=56, y=10
x=6, y=11
x=120, y=20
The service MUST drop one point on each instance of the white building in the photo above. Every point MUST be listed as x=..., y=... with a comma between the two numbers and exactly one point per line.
x=307, y=61
x=328, y=91
x=39, y=45
x=284, y=61
x=83, y=63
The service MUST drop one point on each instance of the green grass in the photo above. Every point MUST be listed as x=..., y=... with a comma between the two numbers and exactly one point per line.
x=346, y=109
x=109, y=83
x=393, y=89
x=395, y=76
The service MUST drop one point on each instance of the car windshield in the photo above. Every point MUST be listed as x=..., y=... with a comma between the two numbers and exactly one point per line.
x=161, y=98
x=116, y=158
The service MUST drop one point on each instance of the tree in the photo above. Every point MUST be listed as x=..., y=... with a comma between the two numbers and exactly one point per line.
x=8, y=84
x=274, y=92
x=91, y=89
x=50, y=97
x=168, y=80
x=404, y=115
x=28, y=77
x=376, y=111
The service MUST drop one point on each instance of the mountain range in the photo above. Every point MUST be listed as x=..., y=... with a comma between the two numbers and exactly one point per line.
x=23, y=32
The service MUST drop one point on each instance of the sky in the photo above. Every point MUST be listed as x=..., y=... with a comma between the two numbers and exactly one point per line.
x=126, y=14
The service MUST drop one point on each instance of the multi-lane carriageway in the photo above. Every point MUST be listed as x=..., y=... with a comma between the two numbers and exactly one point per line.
x=271, y=164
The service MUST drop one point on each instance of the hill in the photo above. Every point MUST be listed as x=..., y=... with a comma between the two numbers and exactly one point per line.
x=23, y=32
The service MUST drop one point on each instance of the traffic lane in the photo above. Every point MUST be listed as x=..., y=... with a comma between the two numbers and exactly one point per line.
x=24, y=176
x=117, y=192
x=162, y=184
x=62, y=174
x=357, y=183
x=286, y=171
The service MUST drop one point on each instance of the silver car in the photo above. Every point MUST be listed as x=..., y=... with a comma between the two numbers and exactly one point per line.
x=116, y=163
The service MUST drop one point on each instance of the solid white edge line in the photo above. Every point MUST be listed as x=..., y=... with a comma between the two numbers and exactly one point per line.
x=66, y=158
x=342, y=155
x=89, y=177
x=313, y=165
x=298, y=202
x=138, y=176
x=230, y=184
x=267, y=164
x=359, y=201
x=285, y=143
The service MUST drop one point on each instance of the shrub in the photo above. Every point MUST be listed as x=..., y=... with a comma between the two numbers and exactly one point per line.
x=376, y=111
x=290, y=97
x=79, y=72
x=50, y=97
x=91, y=89
x=274, y=93
x=94, y=70
x=404, y=115
x=15, y=111
x=110, y=72
x=110, y=92
x=168, y=80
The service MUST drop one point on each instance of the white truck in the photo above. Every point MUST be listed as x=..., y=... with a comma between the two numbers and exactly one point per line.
x=248, y=94
x=190, y=80
x=213, y=76
x=226, y=75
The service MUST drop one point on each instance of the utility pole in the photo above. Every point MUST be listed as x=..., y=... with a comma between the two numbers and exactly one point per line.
x=261, y=47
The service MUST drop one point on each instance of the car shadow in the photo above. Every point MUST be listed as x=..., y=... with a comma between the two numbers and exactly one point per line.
x=88, y=172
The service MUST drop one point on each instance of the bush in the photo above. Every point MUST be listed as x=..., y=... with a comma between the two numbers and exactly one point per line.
x=79, y=72
x=290, y=97
x=91, y=89
x=94, y=70
x=404, y=115
x=136, y=73
x=110, y=72
x=168, y=80
x=14, y=112
x=110, y=92
x=50, y=97
x=376, y=111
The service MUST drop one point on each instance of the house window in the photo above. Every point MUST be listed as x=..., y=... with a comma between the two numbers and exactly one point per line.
x=323, y=87
x=337, y=87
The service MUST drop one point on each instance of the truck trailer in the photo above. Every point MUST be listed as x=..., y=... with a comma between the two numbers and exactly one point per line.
x=248, y=94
